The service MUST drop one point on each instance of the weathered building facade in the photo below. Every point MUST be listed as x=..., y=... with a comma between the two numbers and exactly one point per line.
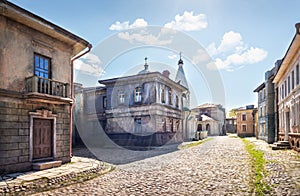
x=287, y=81
x=35, y=89
x=266, y=129
x=138, y=110
x=246, y=121
x=210, y=117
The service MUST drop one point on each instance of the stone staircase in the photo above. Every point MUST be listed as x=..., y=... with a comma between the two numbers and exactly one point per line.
x=280, y=145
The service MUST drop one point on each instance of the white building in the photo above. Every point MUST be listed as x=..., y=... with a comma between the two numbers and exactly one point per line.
x=210, y=117
x=287, y=83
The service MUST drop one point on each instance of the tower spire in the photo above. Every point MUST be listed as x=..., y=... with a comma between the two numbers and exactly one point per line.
x=180, y=62
x=180, y=76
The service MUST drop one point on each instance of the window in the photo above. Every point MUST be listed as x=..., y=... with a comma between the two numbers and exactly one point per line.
x=104, y=102
x=121, y=97
x=293, y=79
x=282, y=91
x=243, y=117
x=297, y=74
x=244, y=128
x=138, y=94
x=170, y=96
x=289, y=85
x=285, y=89
x=177, y=102
x=164, y=125
x=138, y=125
x=172, y=125
x=41, y=66
x=163, y=96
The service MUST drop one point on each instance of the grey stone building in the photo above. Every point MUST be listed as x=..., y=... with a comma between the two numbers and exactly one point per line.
x=267, y=123
x=35, y=89
x=138, y=110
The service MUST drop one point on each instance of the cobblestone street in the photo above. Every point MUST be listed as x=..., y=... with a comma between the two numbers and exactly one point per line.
x=216, y=167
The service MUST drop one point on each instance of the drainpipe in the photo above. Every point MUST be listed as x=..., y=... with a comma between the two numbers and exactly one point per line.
x=72, y=92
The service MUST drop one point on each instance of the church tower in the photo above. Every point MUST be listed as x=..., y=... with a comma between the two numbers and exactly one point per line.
x=181, y=79
x=180, y=76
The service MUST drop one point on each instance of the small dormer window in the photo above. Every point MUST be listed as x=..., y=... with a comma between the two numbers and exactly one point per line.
x=138, y=94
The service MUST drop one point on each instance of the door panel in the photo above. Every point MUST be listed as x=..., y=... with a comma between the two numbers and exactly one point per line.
x=42, y=138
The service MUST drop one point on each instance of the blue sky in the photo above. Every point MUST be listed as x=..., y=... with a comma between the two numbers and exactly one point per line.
x=243, y=38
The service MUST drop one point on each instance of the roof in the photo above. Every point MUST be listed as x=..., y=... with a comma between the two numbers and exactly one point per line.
x=141, y=77
x=209, y=105
x=180, y=75
x=260, y=87
x=38, y=23
x=289, y=55
x=207, y=118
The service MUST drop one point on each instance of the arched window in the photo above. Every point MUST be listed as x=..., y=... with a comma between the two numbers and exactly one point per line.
x=177, y=102
x=170, y=96
x=138, y=94
x=199, y=128
x=207, y=127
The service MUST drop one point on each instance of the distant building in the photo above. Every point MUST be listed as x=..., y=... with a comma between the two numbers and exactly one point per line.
x=139, y=110
x=246, y=121
x=266, y=129
x=210, y=117
x=287, y=82
x=35, y=90
x=230, y=124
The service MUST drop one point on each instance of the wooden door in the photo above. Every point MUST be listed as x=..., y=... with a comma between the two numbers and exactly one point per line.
x=42, y=138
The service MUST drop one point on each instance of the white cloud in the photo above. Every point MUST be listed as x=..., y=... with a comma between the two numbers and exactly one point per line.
x=231, y=40
x=234, y=61
x=172, y=56
x=89, y=64
x=119, y=26
x=188, y=22
x=144, y=38
x=200, y=57
x=233, y=53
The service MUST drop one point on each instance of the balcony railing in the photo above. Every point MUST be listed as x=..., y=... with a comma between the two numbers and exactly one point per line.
x=47, y=86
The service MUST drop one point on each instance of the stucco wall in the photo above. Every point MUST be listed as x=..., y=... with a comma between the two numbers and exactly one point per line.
x=17, y=47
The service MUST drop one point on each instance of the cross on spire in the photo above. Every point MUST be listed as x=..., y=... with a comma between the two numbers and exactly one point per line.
x=146, y=60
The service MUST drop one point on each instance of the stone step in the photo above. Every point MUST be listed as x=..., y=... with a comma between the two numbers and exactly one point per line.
x=45, y=165
x=276, y=147
x=282, y=143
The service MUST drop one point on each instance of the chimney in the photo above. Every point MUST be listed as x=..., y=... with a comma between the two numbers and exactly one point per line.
x=166, y=73
x=297, y=25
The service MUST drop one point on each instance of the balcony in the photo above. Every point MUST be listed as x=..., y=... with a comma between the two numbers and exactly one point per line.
x=45, y=86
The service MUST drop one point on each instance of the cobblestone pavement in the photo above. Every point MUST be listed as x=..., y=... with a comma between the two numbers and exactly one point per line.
x=216, y=167
x=283, y=169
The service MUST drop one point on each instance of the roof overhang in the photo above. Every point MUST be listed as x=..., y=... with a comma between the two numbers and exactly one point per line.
x=260, y=87
x=33, y=21
x=290, y=54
